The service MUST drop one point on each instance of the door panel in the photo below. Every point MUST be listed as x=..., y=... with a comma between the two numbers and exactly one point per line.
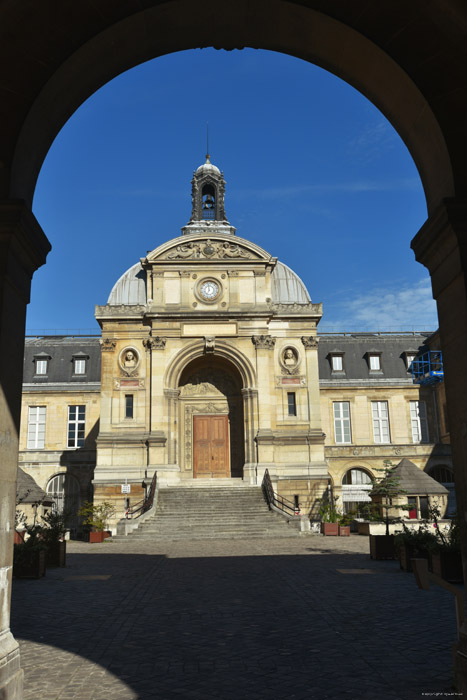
x=211, y=446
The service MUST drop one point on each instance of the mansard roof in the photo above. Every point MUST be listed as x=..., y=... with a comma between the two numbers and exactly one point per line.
x=61, y=350
x=355, y=348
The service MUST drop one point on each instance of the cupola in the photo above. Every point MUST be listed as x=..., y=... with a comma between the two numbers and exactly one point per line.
x=207, y=201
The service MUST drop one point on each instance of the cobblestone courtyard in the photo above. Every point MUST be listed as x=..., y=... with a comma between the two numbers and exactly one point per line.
x=300, y=619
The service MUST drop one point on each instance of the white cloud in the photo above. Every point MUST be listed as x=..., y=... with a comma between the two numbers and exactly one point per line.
x=373, y=141
x=354, y=186
x=410, y=307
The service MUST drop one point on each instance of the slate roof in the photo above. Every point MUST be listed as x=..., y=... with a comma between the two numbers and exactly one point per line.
x=61, y=350
x=355, y=348
x=415, y=481
x=28, y=491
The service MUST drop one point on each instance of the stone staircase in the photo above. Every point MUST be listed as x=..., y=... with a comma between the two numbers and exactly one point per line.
x=184, y=513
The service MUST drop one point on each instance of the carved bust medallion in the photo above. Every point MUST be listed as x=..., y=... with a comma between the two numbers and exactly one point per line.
x=289, y=360
x=129, y=361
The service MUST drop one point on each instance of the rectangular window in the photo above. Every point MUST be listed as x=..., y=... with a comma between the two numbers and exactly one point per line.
x=380, y=414
x=409, y=358
x=79, y=366
x=36, y=427
x=375, y=363
x=419, y=421
x=128, y=405
x=412, y=503
x=342, y=422
x=337, y=364
x=76, y=421
x=41, y=366
x=291, y=404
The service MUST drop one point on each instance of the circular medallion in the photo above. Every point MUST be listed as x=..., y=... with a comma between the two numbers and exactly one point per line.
x=209, y=290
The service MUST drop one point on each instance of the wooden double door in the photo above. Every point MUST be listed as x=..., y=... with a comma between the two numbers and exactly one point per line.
x=211, y=449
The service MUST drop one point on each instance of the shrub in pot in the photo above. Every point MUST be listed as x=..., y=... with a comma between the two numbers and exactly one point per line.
x=445, y=553
x=329, y=517
x=97, y=518
x=412, y=544
x=29, y=555
x=385, y=488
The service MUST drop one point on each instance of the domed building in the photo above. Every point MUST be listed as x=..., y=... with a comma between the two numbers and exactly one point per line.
x=209, y=372
x=209, y=364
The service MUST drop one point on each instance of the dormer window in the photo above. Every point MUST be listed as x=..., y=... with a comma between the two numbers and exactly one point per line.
x=41, y=364
x=80, y=366
x=409, y=358
x=79, y=363
x=374, y=361
x=337, y=361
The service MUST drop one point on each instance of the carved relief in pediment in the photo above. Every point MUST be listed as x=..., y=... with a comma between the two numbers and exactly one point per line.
x=208, y=250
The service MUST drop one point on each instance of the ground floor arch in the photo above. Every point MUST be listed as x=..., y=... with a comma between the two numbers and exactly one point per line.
x=211, y=418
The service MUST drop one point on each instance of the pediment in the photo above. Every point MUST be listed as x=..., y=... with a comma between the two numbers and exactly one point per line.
x=208, y=248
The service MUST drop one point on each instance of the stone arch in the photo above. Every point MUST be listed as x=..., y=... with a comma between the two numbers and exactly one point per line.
x=197, y=349
x=290, y=28
x=211, y=401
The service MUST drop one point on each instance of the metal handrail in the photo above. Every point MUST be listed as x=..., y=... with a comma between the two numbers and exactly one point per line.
x=146, y=503
x=273, y=499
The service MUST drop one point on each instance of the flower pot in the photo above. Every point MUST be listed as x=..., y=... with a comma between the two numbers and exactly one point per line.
x=29, y=564
x=99, y=536
x=382, y=547
x=408, y=552
x=330, y=529
x=344, y=530
x=448, y=565
x=56, y=554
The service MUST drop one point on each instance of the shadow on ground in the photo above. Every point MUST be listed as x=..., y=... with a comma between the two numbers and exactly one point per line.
x=318, y=623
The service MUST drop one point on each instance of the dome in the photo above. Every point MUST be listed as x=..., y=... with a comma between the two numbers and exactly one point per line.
x=130, y=288
x=287, y=287
x=207, y=168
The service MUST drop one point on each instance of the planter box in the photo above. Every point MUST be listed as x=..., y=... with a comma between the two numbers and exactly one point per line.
x=99, y=536
x=448, y=565
x=30, y=565
x=344, y=530
x=330, y=529
x=56, y=554
x=382, y=547
x=406, y=553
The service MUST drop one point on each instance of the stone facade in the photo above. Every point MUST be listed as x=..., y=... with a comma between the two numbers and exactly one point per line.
x=210, y=367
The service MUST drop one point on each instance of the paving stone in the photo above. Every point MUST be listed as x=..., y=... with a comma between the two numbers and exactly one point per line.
x=254, y=619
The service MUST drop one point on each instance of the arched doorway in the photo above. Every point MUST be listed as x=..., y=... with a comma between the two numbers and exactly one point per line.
x=211, y=420
x=356, y=484
x=64, y=489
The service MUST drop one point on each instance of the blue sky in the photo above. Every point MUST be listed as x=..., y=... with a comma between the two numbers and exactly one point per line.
x=315, y=174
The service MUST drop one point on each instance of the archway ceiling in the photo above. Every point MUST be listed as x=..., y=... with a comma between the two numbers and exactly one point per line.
x=408, y=58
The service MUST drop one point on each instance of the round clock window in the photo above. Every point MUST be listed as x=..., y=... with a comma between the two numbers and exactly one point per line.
x=209, y=290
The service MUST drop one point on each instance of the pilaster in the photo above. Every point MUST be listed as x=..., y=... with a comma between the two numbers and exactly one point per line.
x=23, y=248
x=441, y=245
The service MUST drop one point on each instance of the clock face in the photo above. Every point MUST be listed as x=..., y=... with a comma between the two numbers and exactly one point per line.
x=209, y=290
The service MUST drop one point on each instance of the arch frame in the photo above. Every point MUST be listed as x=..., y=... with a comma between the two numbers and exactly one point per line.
x=290, y=28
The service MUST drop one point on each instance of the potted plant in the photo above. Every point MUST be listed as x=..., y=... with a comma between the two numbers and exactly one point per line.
x=412, y=544
x=329, y=517
x=445, y=554
x=53, y=536
x=344, y=524
x=97, y=517
x=384, y=490
x=29, y=555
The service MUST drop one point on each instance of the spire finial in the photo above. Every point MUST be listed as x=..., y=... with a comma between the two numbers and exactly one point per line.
x=207, y=143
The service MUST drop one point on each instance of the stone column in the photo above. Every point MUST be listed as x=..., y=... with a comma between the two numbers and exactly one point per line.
x=264, y=345
x=441, y=245
x=310, y=343
x=250, y=405
x=23, y=248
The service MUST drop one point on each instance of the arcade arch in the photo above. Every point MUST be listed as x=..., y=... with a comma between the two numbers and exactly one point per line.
x=424, y=99
x=211, y=419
